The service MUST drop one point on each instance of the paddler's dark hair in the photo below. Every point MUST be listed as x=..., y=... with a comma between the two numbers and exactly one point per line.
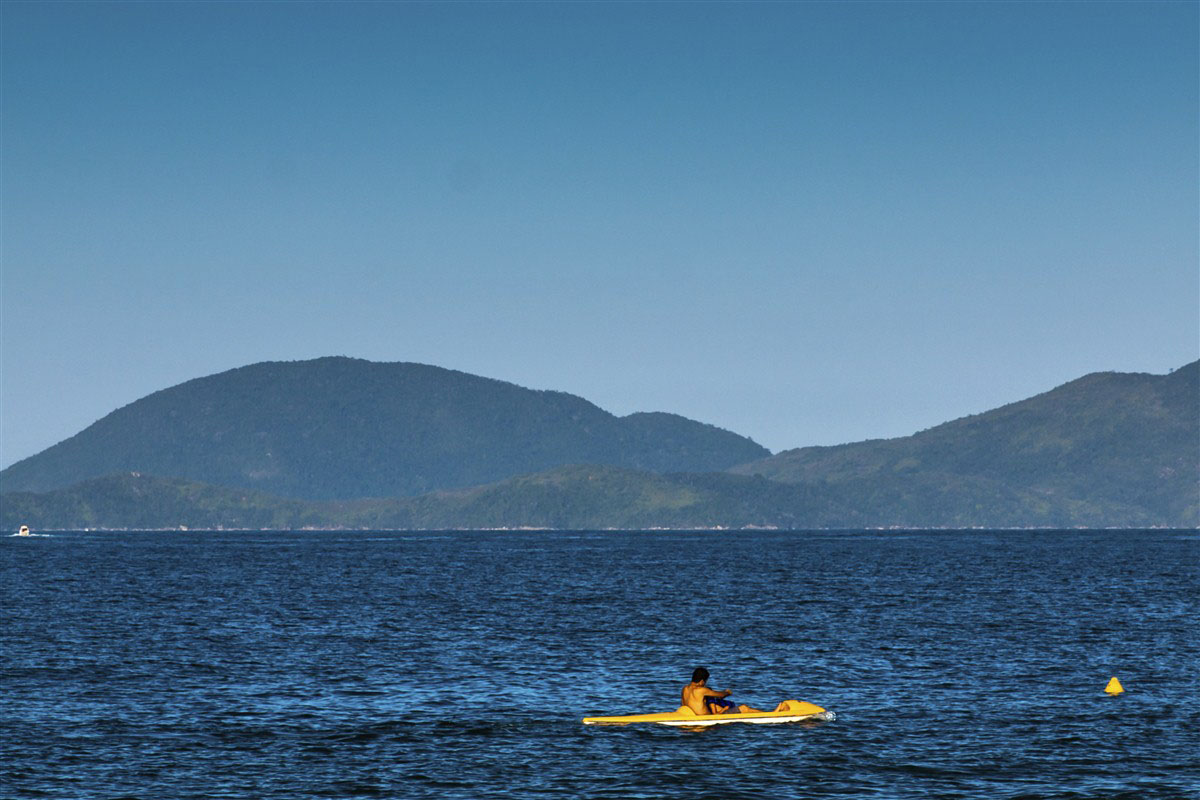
x=699, y=674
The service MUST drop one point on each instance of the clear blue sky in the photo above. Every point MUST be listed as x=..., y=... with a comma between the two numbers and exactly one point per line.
x=808, y=223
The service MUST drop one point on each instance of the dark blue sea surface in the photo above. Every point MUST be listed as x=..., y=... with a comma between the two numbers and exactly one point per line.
x=458, y=665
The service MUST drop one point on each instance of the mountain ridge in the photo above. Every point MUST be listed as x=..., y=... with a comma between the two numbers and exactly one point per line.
x=1128, y=437
x=338, y=428
x=1104, y=450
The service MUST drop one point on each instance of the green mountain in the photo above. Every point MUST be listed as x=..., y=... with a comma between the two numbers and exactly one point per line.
x=1108, y=450
x=1106, y=447
x=340, y=428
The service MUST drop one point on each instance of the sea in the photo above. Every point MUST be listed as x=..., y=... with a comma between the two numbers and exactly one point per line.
x=459, y=664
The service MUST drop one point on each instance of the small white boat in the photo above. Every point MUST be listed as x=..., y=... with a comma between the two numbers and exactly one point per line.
x=24, y=531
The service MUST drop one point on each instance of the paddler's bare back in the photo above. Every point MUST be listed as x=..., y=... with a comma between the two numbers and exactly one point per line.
x=693, y=697
x=704, y=701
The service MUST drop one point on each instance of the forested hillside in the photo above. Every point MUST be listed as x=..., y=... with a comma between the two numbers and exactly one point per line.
x=339, y=428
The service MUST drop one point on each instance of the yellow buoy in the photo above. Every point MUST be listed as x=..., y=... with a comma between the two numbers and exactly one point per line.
x=1114, y=686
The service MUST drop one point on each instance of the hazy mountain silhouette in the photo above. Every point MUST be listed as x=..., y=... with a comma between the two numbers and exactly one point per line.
x=1107, y=439
x=346, y=428
x=1107, y=450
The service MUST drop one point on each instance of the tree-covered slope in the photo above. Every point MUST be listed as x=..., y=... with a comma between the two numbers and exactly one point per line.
x=133, y=500
x=346, y=428
x=1107, y=440
x=572, y=497
x=1106, y=450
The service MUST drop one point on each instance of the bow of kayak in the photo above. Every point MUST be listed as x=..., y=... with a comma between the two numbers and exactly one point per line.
x=793, y=711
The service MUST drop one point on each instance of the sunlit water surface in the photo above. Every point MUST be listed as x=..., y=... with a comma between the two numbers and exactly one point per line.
x=458, y=665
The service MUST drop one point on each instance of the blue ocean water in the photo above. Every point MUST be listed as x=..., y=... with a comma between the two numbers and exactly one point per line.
x=458, y=665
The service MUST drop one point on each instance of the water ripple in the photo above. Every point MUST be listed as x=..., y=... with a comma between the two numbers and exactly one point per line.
x=458, y=665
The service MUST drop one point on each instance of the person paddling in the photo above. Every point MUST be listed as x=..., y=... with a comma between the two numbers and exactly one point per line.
x=704, y=701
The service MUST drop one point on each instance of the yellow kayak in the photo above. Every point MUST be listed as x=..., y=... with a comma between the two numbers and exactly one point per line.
x=794, y=711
